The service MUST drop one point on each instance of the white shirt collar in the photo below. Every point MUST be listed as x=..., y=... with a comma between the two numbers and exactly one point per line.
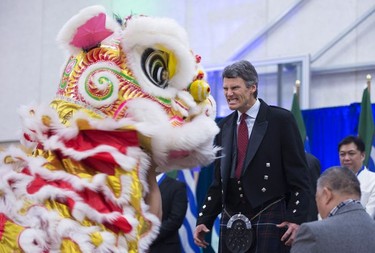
x=252, y=112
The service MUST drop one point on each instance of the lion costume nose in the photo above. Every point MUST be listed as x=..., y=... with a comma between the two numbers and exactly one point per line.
x=200, y=90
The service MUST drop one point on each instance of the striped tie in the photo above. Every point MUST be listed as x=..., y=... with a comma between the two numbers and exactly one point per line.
x=242, y=140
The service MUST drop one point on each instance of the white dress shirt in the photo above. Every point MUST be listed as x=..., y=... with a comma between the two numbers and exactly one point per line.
x=367, y=183
x=252, y=114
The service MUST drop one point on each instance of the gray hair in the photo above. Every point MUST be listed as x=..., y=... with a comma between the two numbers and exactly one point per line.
x=341, y=180
x=245, y=70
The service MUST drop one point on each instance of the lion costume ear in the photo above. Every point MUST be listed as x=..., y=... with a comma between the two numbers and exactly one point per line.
x=86, y=30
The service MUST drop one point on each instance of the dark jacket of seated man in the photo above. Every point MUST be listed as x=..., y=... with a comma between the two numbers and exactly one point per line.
x=174, y=205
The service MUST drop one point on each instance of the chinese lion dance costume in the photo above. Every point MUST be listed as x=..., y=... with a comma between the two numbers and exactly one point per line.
x=132, y=99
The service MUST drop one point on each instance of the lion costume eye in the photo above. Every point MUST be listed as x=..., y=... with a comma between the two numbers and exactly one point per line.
x=155, y=66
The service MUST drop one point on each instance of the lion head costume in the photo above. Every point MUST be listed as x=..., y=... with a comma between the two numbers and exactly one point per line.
x=132, y=98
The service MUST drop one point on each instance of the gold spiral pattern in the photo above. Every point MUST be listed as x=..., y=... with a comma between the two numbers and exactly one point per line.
x=128, y=88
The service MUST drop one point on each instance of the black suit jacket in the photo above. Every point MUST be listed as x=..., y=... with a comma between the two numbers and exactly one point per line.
x=275, y=165
x=174, y=206
x=314, y=166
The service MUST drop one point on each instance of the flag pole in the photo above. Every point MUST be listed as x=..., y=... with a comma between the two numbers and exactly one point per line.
x=368, y=77
x=366, y=126
x=296, y=111
x=297, y=86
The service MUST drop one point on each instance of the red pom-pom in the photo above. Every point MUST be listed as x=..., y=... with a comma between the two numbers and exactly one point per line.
x=199, y=76
x=27, y=137
x=198, y=58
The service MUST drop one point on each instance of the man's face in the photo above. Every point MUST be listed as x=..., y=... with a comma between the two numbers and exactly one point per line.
x=239, y=97
x=351, y=157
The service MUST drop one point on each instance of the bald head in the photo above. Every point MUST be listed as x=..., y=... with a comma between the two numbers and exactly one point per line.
x=341, y=180
x=335, y=185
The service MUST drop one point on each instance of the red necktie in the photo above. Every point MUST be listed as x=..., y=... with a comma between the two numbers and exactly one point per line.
x=242, y=140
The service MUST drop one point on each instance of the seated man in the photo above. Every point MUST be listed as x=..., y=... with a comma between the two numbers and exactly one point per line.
x=352, y=154
x=314, y=166
x=174, y=205
x=346, y=227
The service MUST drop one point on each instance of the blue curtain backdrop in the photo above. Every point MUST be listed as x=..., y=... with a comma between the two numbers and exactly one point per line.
x=326, y=127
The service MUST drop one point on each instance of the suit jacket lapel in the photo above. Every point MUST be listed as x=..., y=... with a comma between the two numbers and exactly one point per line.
x=227, y=143
x=257, y=134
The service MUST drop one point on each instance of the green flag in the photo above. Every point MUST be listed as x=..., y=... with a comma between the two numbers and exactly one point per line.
x=296, y=111
x=366, y=126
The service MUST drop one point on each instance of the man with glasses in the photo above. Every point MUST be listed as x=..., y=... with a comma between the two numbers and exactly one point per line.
x=352, y=154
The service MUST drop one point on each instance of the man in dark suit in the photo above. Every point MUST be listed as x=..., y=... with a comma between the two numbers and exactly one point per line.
x=346, y=227
x=269, y=188
x=174, y=206
x=314, y=166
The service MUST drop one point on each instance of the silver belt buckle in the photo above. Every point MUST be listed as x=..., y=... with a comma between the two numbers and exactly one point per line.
x=239, y=235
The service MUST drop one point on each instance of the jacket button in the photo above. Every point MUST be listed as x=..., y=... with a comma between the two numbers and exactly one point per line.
x=264, y=189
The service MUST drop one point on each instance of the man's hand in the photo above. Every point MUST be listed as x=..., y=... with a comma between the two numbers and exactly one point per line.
x=199, y=234
x=290, y=233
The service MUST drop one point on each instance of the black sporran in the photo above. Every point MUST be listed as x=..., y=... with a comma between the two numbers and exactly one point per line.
x=238, y=235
